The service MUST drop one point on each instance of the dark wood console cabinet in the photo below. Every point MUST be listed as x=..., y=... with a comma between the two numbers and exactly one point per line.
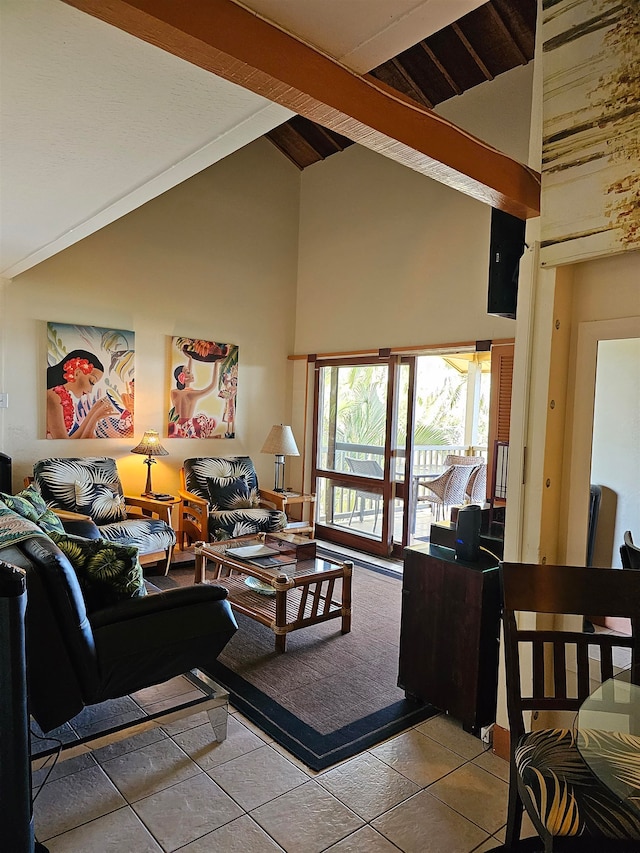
x=450, y=632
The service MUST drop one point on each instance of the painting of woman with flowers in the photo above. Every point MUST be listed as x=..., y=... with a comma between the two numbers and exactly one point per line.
x=204, y=386
x=85, y=398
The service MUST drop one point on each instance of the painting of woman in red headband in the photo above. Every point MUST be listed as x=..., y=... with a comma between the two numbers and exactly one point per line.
x=85, y=398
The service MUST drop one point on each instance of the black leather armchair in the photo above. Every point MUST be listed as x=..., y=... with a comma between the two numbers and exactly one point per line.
x=76, y=658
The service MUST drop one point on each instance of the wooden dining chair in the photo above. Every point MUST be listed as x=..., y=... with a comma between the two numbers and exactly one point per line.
x=629, y=553
x=548, y=671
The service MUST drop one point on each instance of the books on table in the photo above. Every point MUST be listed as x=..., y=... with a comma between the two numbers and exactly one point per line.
x=262, y=556
x=247, y=552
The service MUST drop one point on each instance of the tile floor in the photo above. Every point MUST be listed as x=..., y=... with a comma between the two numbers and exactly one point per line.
x=431, y=789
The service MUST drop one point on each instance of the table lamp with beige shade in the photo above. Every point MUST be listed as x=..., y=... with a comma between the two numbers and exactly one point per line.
x=281, y=443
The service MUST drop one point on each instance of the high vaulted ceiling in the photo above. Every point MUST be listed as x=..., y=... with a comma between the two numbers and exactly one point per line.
x=489, y=40
x=94, y=121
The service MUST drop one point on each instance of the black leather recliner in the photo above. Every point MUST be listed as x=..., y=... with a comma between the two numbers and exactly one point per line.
x=76, y=659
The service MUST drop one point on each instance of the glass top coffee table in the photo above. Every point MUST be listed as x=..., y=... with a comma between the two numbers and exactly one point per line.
x=608, y=735
x=286, y=590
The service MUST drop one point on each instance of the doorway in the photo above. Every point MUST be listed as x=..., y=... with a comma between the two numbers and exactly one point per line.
x=353, y=416
x=382, y=428
x=597, y=437
x=615, y=454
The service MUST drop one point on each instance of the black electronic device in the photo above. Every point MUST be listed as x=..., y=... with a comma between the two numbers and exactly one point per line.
x=506, y=249
x=468, y=533
x=15, y=764
x=5, y=474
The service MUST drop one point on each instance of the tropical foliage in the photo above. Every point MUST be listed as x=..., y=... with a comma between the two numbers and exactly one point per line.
x=361, y=401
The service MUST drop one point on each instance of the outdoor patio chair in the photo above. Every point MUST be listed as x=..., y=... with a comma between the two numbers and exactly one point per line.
x=446, y=490
x=453, y=459
x=367, y=468
x=476, y=488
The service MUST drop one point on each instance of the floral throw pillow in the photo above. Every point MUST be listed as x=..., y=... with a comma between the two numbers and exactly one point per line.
x=228, y=493
x=30, y=504
x=108, y=572
x=102, y=502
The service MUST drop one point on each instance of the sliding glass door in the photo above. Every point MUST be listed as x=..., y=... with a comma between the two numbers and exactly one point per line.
x=384, y=428
x=355, y=421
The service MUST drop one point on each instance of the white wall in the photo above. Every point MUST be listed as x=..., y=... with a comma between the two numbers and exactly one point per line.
x=498, y=112
x=391, y=258
x=213, y=258
x=615, y=461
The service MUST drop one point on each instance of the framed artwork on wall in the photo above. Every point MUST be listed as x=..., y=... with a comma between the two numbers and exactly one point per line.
x=203, y=389
x=90, y=382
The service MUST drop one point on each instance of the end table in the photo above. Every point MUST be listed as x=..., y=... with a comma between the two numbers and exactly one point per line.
x=283, y=500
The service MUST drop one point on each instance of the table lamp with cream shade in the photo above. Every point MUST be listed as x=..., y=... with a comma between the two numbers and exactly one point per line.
x=150, y=446
x=281, y=443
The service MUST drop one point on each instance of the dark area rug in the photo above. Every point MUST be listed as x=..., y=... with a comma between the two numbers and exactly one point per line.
x=329, y=696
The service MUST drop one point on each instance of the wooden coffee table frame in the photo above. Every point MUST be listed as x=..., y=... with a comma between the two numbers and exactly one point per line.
x=304, y=591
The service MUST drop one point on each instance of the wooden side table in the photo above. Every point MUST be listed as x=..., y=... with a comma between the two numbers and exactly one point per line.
x=283, y=500
x=173, y=514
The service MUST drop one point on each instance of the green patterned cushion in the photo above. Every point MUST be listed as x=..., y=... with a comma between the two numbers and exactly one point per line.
x=15, y=528
x=30, y=504
x=108, y=572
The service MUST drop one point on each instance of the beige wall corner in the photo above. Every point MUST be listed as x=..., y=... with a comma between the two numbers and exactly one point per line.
x=213, y=258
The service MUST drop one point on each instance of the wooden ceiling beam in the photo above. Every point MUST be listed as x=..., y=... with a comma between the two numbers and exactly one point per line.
x=418, y=92
x=237, y=45
x=331, y=140
x=501, y=23
x=472, y=51
x=432, y=56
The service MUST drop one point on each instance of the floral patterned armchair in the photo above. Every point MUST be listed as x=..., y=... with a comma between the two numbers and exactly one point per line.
x=221, y=500
x=91, y=487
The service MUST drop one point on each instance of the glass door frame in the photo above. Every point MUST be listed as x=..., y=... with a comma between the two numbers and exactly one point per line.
x=402, y=487
x=387, y=487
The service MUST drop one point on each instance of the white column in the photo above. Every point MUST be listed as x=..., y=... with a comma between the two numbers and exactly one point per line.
x=472, y=411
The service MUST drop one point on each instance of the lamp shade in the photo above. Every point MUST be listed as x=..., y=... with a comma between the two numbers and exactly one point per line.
x=281, y=441
x=150, y=445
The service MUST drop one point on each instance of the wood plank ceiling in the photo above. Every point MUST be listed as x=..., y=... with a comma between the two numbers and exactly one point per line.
x=492, y=39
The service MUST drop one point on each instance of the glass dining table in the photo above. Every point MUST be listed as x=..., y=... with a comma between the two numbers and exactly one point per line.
x=608, y=735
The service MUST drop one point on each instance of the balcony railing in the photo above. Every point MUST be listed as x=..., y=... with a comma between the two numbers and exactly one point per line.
x=338, y=503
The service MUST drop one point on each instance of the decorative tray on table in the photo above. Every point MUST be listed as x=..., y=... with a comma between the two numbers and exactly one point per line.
x=260, y=587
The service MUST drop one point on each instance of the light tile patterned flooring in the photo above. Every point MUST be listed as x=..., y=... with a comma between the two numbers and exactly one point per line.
x=431, y=789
